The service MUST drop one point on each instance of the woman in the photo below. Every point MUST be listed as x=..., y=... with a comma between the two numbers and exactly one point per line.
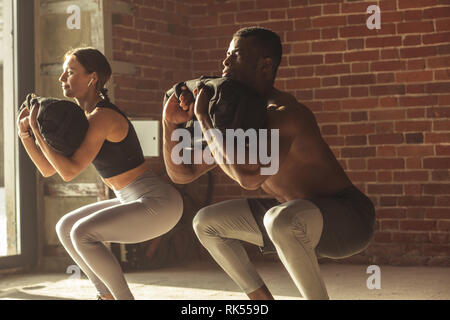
x=145, y=207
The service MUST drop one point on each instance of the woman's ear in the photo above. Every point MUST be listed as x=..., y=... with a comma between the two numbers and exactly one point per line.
x=94, y=80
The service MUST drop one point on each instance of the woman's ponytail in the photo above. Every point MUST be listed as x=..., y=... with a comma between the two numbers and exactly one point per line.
x=104, y=94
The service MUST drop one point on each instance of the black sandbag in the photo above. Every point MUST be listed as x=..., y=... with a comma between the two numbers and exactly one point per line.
x=232, y=105
x=62, y=123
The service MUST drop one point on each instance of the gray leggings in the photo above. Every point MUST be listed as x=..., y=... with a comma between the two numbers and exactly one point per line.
x=143, y=210
x=294, y=227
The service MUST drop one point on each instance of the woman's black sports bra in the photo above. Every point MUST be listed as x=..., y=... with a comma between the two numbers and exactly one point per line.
x=115, y=158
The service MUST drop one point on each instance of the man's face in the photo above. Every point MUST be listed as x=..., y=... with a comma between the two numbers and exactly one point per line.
x=241, y=63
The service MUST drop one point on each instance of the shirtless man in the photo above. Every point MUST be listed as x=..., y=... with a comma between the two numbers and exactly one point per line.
x=316, y=210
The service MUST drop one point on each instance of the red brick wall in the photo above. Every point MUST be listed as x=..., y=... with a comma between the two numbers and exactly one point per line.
x=156, y=41
x=381, y=97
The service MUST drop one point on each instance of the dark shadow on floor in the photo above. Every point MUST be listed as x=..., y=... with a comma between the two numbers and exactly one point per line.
x=17, y=294
x=211, y=277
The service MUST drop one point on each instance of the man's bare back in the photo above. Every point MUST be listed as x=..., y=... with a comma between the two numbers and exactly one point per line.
x=308, y=167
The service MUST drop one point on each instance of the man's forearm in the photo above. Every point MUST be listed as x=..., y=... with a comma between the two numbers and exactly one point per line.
x=181, y=173
x=216, y=146
x=218, y=149
x=247, y=175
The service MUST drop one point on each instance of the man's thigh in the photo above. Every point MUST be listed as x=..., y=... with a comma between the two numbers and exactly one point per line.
x=348, y=223
x=299, y=217
x=229, y=219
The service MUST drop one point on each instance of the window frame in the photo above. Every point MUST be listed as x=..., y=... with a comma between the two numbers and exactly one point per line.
x=19, y=61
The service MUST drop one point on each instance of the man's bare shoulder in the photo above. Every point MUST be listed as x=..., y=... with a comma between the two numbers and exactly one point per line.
x=285, y=108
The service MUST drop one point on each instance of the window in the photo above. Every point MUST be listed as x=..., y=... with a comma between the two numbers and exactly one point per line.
x=17, y=175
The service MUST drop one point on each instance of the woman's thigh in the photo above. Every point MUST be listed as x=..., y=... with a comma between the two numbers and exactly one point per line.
x=122, y=223
x=66, y=223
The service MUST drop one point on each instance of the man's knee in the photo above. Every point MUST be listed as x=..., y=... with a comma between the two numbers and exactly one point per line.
x=300, y=219
x=203, y=221
x=277, y=222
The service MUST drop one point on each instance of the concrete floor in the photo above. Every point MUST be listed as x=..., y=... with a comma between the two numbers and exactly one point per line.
x=206, y=281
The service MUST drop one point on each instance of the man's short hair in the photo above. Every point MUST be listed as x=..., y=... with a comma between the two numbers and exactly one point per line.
x=267, y=40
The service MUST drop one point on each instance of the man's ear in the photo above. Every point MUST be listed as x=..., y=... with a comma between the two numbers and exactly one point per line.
x=267, y=65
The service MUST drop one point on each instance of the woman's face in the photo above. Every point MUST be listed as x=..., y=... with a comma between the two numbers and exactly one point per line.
x=75, y=81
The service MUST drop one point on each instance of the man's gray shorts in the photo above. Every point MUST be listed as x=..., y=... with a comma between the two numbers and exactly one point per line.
x=348, y=222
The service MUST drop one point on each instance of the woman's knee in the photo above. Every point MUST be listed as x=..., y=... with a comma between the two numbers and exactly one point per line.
x=64, y=226
x=81, y=233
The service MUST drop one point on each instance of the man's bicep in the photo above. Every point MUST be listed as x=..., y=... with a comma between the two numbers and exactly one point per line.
x=187, y=173
x=200, y=169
